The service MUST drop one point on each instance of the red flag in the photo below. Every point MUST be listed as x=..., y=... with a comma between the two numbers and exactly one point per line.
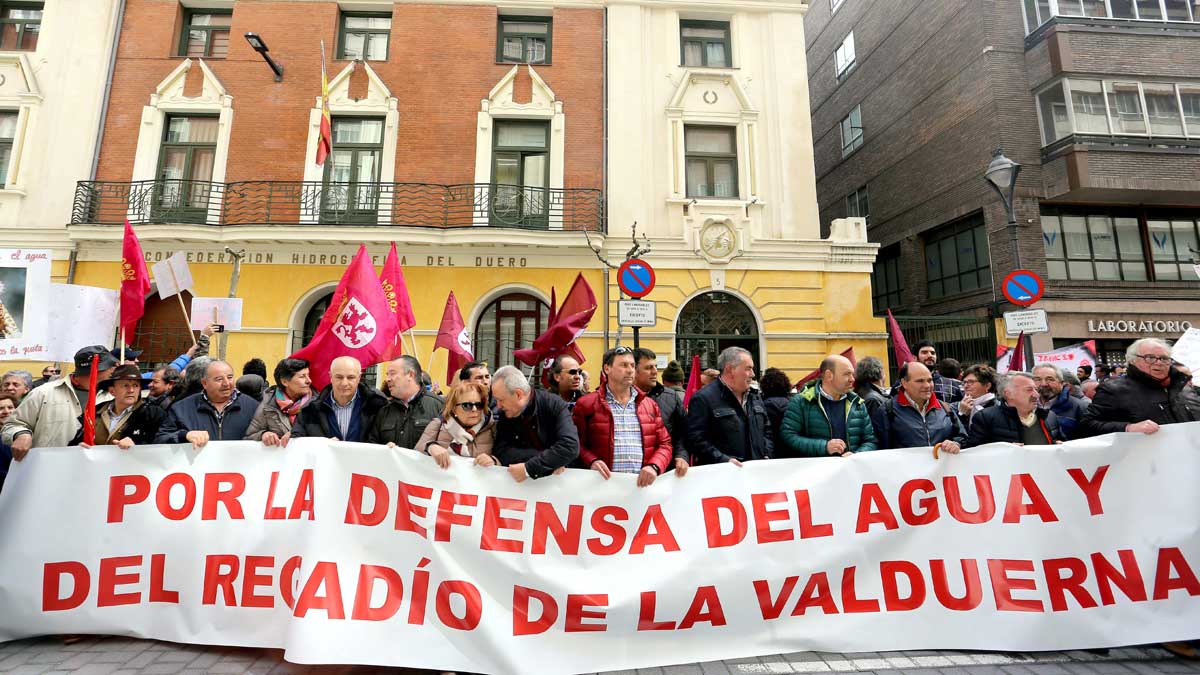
x=363, y=326
x=89, y=411
x=395, y=289
x=568, y=323
x=693, y=384
x=135, y=283
x=1017, y=363
x=325, y=141
x=899, y=346
x=454, y=338
x=849, y=354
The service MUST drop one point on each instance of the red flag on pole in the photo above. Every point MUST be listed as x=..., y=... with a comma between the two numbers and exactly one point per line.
x=395, y=289
x=325, y=141
x=1017, y=364
x=89, y=411
x=693, y=384
x=899, y=345
x=454, y=338
x=135, y=282
x=362, y=327
x=849, y=354
x=568, y=324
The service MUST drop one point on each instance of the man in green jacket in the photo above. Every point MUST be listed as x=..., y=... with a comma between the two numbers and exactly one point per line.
x=827, y=417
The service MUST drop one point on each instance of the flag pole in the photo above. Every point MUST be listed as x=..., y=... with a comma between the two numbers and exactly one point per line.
x=412, y=339
x=122, y=344
x=179, y=294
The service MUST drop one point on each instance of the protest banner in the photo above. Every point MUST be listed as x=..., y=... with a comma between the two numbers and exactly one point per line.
x=1065, y=358
x=350, y=553
x=224, y=311
x=1186, y=350
x=24, y=296
x=80, y=316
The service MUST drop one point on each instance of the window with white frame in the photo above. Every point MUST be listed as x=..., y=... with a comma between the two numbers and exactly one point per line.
x=852, y=131
x=834, y=5
x=8, y=133
x=1119, y=108
x=843, y=58
x=1038, y=12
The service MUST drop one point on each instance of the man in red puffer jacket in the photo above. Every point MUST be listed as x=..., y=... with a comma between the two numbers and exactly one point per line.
x=621, y=429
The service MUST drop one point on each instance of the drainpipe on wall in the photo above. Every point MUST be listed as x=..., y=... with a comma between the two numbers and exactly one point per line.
x=118, y=19
x=604, y=165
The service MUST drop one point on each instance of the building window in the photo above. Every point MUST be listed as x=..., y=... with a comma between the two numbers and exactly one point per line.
x=185, y=169
x=524, y=39
x=1112, y=108
x=351, y=190
x=852, y=131
x=20, y=24
x=858, y=205
x=834, y=5
x=206, y=34
x=1038, y=12
x=705, y=44
x=887, y=282
x=957, y=258
x=711, y=159
x=1113, y=246
x=8, y=133
x=520, y=174
x=364, y=37
x=509, y=323
x=843, y=58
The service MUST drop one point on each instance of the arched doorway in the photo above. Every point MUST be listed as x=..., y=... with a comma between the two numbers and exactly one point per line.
x=712, y=322
x=308, y=329
x=509, y=323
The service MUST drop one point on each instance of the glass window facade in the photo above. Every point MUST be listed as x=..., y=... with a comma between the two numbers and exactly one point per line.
x=957, y=258
x=1119, y=108
x=1119, y=245
x=1038, y=12
x=887, y=280
x=852, y=131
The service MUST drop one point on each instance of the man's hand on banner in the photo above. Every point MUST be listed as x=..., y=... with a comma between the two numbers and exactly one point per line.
x=949, y=447
x=484, y=460
x=198, y=439
x=1146, y=427
x=21, y=445
x=517, y=471
x=600, y=467
x=272, y=439
x=647, y=476
x=735, y=461
x=835, y=446
x=125, y=443
x=681, y=467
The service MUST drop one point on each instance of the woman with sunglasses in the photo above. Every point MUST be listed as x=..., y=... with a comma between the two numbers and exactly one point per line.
x=466, y=427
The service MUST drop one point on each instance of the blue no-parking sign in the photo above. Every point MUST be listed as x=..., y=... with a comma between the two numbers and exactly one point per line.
x=635, y=278
x=1022, y=288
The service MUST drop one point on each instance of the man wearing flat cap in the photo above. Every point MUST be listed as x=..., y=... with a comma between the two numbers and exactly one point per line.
x=128, y=419
x=48, y=417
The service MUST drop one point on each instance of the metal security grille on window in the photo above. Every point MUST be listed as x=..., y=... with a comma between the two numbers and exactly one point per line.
x=716, y=314
x=206, y=35
x=525, y=40
x=509, y=323
x=20, y=24
x=365, y=37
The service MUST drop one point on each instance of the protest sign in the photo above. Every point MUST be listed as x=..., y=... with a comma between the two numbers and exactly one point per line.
x=1186, y=350
x=224, y=311
x=1065, y=358
x=172, y=275
x=80, y=316
x=24, y=299
x=351, y=553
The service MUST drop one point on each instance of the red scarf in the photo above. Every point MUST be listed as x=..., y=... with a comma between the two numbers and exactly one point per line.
x=289, y=407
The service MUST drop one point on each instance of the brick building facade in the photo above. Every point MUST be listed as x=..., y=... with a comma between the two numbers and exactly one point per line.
x=909, y=100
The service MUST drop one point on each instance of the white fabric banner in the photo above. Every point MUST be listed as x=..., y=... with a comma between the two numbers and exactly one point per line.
x=349, y=553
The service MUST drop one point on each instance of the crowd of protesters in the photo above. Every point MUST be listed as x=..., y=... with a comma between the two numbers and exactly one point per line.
x=637, y=420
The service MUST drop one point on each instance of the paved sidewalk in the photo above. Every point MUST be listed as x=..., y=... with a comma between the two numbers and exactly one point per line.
x=124, y=656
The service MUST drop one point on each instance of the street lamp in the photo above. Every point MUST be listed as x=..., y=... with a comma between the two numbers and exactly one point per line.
x=1001, y=174
x=257, y=44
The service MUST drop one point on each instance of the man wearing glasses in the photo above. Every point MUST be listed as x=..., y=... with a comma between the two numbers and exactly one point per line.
x=1151, y=394
x=48, y=373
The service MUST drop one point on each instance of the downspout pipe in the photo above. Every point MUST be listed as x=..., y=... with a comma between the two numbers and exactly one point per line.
x=604, y=179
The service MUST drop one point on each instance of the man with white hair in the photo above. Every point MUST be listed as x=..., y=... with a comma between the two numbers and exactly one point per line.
x=535, y=436
x=1151, y=394
x=1019, y=420
x=345, y=408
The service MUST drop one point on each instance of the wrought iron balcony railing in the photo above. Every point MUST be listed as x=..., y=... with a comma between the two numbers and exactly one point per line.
x=300, y=203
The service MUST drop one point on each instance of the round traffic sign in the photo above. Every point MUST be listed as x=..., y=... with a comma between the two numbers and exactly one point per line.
x=1022, y=287
x=635, y=278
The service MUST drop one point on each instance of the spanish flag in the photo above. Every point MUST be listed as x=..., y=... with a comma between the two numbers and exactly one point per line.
x=325, y=142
